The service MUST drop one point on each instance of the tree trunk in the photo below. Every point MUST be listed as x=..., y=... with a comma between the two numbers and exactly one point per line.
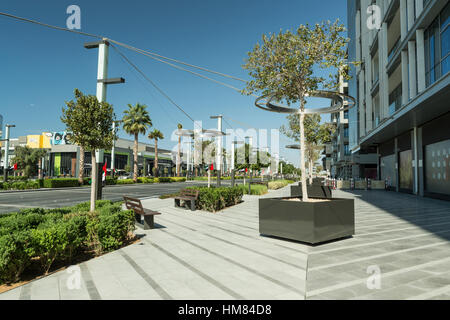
x=310, y=171
x=156, y=157
x=302, y=156
x=135, y=151
x=179, y=157
x=94, y=181
x=40, y=168
x=81, y=169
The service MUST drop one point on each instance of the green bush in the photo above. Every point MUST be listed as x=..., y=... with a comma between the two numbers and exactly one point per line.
x=146, y=180
x=255, y=189
x=15, y=255
x=57, y=235
x=20, y=185
x=163, y=180
x=177, y=179
x=125, y=181
x=61, y=183
x=215, y=199
x=109, y=228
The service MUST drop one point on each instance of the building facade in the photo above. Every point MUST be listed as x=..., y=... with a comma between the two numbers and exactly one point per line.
x=402, y=86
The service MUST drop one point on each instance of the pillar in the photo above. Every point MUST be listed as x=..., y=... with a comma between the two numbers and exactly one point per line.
x=411, y=17
x=421, y=172
x=405, y=78
x=403, y=19
x=419, y=7
x=412, y=69
x=420, y=60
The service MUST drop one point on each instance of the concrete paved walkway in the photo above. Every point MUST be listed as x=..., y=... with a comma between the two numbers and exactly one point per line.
x=198, y=255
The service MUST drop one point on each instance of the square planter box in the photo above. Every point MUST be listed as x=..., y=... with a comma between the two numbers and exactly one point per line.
x=314, y=191
x=310, y=222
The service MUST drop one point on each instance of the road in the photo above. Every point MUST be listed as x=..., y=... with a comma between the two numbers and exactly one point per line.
x=57, y=198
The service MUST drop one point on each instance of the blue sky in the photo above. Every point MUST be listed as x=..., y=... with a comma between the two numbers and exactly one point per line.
x=40, y=67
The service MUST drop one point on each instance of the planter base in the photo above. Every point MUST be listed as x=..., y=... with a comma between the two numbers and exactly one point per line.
x=314, y=191
x=310, y=222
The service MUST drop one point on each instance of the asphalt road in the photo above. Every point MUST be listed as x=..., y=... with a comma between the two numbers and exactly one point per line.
x=57, y=198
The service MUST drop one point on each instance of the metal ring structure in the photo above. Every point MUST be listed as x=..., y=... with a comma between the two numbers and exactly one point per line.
x=293, y=146
x=339, y=102
x=204, y=133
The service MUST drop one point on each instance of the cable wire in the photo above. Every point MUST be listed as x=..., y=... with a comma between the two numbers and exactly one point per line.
x=152, y=83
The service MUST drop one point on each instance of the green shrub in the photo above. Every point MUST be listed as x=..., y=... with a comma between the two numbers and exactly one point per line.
x=145, y=180
x=125, y=181
x=61, y=183
x=86, y=206
x=109, y=228
x=215, y=199
x=50, y=241
x=255, y=189
x=177, y=179
x=15, y=255
x=163, y=180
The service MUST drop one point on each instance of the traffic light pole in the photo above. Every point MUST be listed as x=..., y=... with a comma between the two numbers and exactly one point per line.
x=6, y=164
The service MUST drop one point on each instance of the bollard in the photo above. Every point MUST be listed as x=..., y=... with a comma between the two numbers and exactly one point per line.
x=352, y=184
x=369, y=184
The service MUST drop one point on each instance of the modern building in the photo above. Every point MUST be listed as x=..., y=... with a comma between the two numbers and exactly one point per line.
x=402, y=88
x=62, y=158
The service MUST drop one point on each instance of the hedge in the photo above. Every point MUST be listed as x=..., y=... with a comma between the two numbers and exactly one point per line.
x=61, y=183
x=255, y=189
x=278, y=184
x=47, y=236
x=215, y=199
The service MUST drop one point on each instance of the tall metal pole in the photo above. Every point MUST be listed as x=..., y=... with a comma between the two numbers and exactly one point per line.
x=113, y=151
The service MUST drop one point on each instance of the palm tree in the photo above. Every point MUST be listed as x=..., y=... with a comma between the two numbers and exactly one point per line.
x=136, y=121
x=156, y=135
x=180, y=126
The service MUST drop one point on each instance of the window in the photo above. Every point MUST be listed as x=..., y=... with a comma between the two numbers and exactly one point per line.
x=346, y=132
x=395, y=99
x=437, y=47
x=346, y=150
x=346, y=114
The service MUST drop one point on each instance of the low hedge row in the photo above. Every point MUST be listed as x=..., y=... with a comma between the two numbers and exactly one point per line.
x=18, y=184
x=215, y=199
x=255, y=189
x=44, y=237
x=278, y=184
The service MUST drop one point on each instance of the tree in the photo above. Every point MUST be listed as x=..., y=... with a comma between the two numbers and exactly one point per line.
x=136, y=121
x=81, y=162
x=289, y=65
x=29, y=160
x=156, y=135
x=179, y=126
x=90, y=122
x=316, y=135
x=245, y=149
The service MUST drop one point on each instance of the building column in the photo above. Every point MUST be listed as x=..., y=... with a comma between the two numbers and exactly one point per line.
x=369, y=120
x=421, y=172
x=384, y=79
x=403, y=19
x=420, y=60
x=362, y=123
x=405, y=78
x=412, y=69
x=397, y=176
x=415, y=162
x=358, y=37
x=411, y=17
x=419, y=7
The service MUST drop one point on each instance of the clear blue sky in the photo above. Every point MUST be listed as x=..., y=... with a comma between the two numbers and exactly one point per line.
x=40, y=67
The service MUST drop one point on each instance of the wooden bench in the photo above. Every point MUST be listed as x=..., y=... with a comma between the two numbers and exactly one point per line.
x=144, y=217
x=187, y=195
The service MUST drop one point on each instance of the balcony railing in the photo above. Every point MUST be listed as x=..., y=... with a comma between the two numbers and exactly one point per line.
x=394, y=49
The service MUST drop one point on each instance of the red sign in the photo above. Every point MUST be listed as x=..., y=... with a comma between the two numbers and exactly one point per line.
x=15, y=166
x=212, y=167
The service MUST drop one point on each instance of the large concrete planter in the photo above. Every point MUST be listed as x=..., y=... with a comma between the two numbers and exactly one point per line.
x=314, y=191
x=310, y=222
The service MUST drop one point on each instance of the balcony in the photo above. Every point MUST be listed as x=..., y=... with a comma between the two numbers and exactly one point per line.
x=394, y=49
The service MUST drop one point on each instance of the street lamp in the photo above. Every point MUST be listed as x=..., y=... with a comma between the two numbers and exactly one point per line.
x=6, y=164
x=113, y=149
x=102, y=82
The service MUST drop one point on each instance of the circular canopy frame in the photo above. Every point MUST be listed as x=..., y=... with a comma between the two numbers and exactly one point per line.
x=293, y=146
x=339, y=102
x=205, y=133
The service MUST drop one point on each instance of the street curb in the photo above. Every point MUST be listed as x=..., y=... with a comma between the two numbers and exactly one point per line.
x=83, y=188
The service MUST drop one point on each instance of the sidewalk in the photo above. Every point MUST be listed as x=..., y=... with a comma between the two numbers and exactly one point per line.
x=199, y=255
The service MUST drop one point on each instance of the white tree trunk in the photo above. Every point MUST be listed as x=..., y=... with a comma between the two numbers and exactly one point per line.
x=179, y=157
x=310, y=172
x=81, y=168
x=94, y=181
x=135, y=151
x=302, y=157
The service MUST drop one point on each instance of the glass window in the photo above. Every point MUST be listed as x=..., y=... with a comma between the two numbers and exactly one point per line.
x=437, y=167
